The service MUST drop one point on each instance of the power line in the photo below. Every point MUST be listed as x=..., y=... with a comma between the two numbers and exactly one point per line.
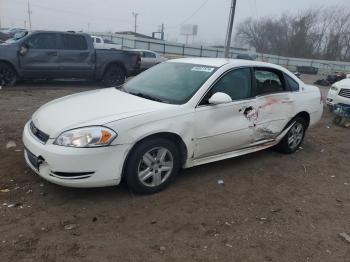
x=192, y=15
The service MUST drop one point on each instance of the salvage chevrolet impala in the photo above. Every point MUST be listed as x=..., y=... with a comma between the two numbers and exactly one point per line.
x=179, y=114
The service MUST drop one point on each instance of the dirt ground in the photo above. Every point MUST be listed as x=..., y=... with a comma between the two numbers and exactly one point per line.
x=271, y=207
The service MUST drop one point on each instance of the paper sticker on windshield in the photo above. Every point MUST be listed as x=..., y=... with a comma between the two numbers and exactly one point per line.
x=203, y=69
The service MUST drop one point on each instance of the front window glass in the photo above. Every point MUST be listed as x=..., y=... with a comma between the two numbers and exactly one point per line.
x=170, y=82
x=237, y=84
x=42, y=41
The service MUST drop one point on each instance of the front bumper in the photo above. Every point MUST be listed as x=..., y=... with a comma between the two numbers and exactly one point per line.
x=333, y=98
x=74, y=167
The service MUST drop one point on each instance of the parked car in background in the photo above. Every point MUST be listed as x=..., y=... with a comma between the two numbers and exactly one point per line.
x=178, y=114
x=339, y=93
x=50, y=55
x=101, y=43
x=245, y=57
x=149, y=58
x=309, y=70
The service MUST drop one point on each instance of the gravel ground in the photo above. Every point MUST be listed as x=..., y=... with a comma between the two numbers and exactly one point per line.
x=271, y=207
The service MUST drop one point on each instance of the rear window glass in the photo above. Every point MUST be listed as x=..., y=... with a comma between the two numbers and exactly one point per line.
x=74, y=42
x=293, y=85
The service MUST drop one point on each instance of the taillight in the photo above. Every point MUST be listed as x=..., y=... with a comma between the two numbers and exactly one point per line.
x=321, y=96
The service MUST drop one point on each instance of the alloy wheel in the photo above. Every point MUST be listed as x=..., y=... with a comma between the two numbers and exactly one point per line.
x=155, y=167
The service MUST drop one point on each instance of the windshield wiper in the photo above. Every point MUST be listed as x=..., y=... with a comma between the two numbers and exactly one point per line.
x=147, y=96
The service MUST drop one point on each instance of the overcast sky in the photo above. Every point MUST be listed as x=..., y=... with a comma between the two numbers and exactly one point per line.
x=116, y=15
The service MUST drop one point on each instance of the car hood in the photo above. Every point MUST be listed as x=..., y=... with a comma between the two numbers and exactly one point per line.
x=345, y=83
x=96, y=107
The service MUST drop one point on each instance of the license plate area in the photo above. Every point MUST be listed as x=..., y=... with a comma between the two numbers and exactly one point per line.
x=34, y=160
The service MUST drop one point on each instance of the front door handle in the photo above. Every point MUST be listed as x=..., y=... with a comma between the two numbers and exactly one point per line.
x=53, y=53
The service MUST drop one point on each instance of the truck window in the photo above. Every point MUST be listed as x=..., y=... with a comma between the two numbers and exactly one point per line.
x=98, y=40
x=149, y=55
x=74, y=42
x=42, y=41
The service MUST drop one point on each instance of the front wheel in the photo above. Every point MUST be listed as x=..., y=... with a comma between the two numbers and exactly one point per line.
x=8, y=76
x=152, y=165
x=293, y=139
x=114, y=76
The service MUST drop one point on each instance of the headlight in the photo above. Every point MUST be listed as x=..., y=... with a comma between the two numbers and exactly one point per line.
x=94, y=136
x=333, y=88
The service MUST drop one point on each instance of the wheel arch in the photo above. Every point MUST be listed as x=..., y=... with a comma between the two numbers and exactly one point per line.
x=11, y=65
x=303, y=114
x=178, y=142
x=112, y=63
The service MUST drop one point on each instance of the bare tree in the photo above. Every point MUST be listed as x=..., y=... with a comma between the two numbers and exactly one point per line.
x=315, y=33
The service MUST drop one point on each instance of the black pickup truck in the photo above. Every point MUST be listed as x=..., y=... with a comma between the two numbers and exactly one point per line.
x=53, y=55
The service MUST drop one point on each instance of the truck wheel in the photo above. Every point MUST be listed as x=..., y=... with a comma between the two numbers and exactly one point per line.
x=293, y=139
x=8, y=76
x=114, y=76
x=152, y=165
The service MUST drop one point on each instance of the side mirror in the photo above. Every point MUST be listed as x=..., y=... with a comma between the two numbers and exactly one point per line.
x=24, y=49
x=220, y=98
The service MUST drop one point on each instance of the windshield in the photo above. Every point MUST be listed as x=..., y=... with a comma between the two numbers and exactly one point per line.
x=18, y=36
x=170, y=82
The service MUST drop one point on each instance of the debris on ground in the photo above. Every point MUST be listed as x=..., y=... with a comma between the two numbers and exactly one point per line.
x=94, y=219
x=14, y=205
x=221, y=182
x=345, y=237
x=162, y=248
x=70, y=226
x=276, y=210
x=11, y=144
x=5, y=190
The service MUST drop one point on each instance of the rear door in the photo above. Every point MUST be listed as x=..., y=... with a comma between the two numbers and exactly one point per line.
x=75, y=57
x=274, y=101
x=41, y=58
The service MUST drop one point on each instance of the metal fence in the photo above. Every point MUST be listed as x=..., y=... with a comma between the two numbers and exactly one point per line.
x=176, y=49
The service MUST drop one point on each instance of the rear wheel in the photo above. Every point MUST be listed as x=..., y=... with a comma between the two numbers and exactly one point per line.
x=8, y=76
x=293, y=139
x=114, y=75
x=152, y=165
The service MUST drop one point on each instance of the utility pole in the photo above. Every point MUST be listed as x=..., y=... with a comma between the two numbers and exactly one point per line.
x=29, y=16
x=135, y=18
x=229, y=28
x=162, y=32
x=88, y=27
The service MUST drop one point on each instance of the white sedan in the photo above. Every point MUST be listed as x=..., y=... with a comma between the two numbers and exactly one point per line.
x=339, y=93
x=179, y=114
x=149, y=58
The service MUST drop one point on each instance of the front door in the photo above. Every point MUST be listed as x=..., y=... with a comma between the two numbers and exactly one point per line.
x=226, y=127
x=41, y=57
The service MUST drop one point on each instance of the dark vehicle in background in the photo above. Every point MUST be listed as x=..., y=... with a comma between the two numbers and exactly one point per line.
x=245, y=57
x=57, y=55
x=309, y=70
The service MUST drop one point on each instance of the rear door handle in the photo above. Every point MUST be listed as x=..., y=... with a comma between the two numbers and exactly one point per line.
x=287, y=101
x=53, y=53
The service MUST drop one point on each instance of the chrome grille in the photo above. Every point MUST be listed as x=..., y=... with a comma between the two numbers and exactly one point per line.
x=43, y=137
x=345, y=93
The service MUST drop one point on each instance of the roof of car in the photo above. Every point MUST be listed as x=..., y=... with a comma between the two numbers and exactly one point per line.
x=218, y=62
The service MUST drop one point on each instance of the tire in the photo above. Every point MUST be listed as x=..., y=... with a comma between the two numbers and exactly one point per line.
x=114, y=76
x=152, y=165
x=8, y=75
x=289, y=145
